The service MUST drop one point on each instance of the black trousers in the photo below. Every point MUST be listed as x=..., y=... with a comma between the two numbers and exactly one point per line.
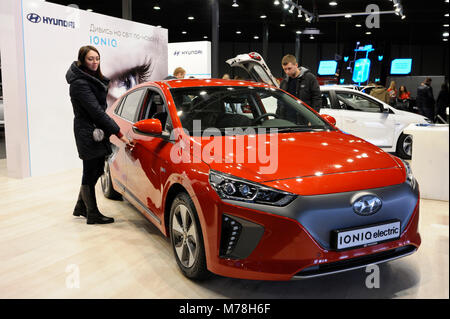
x=92, y=170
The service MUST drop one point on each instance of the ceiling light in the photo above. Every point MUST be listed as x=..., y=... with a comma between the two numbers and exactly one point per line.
x=368, y=33
x=445, y=25
x=291, y=9
x=311, y=37
x=263, y=16
x=298, y=32
x=348, y=16
x=358, y=25
x=446, y=15
x=299, y=15
x=238, y=32
x=256, y=37
x=445, y=34
x=157, y=7
x=276, y=2
x=282, y=25
x=333, y=3
x=184, y=32
x=445, y=40
x=205, y=37
x=191, y=18
x=235, y=4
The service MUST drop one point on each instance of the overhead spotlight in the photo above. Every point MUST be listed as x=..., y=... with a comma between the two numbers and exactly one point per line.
x=256, y=37
x=282, y=25
x=403, y=17
x=333, y=3
x=235, y=4
x=238, y=32
x=308, y=18
x=191, y=18
x=276, y=2
x=445, y=34
x=205, y=37
x=298, y=32
x=291, y=9
x=445, y=25
x=358, y=25
x=263, y=16
x=348, y=16
x=156, y=7
x=311, y=37
x=285, y=5
x=183, y=32
x=299, y=15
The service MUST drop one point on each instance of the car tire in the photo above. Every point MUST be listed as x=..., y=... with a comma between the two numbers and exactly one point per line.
x=404, y=146
x=186, y=238
x=107, y=187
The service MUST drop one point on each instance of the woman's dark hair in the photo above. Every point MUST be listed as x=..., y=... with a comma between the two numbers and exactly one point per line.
x=406, y=90
x=82, y=58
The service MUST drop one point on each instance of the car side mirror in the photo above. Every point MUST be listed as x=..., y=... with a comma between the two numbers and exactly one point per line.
x=329, y=119
x=151, y=126
x=386, y=110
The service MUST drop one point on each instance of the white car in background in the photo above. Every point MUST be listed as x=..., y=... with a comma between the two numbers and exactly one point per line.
x=356, y=113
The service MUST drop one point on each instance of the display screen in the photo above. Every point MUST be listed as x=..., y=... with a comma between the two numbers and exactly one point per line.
x=401, y=66
x=327, y=67
x=361, y=70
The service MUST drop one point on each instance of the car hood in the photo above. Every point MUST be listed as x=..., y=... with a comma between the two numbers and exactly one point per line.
x=411, y=117
x=292, y=155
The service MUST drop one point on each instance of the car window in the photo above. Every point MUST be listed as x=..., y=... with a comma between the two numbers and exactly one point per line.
x=153, y=108
x=326, y=101
x=242, y=107
x=356, y=102
x=131, y=105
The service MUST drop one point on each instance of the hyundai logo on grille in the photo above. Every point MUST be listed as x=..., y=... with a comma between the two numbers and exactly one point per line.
x=367, y=205
x=33, y=17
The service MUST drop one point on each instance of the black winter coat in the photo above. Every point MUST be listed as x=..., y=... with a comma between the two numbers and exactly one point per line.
x=307, y=89
x=88, y=97
x=425, y=98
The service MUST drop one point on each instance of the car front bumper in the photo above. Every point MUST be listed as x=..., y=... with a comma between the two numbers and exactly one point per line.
x=292, y=242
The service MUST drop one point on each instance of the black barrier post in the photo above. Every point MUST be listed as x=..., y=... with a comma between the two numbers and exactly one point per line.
x=215, y=39
x=126, y=9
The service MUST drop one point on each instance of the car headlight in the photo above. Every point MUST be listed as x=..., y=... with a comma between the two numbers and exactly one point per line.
x=230, y=187
x=409, y=175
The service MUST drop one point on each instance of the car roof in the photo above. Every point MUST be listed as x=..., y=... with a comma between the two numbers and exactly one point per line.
x=183, y=83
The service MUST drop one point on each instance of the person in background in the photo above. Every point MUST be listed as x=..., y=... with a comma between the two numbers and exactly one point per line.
x=178, y=73
x=92, y=128
x=442, y=102
x=392, y=90
x=226, y=76
x=403, y=93
x=380, y=93
x=425, y=99
x=300, y=82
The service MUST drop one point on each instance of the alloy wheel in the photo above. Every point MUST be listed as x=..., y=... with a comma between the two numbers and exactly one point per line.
x=185, y=236
x=407, y=145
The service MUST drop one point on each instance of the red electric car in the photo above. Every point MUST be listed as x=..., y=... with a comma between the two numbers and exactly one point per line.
x=249, y=182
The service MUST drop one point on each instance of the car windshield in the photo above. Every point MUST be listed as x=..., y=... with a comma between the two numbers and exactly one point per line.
x=226, y=107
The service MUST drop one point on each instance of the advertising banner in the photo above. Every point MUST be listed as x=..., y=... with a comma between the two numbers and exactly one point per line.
x=194, y=57
x=131, y=53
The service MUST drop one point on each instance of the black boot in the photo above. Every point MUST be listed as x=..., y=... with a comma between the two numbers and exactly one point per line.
x=93, y=214
x=80, y=208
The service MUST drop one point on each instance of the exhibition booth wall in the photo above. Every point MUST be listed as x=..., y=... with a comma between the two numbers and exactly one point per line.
x=39, y=41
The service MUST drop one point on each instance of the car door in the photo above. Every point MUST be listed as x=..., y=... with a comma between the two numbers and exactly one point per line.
x=367, y=118
x=148, y=159
x=124, y=115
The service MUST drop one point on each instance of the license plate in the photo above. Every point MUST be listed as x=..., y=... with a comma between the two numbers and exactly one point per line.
x=365, y=235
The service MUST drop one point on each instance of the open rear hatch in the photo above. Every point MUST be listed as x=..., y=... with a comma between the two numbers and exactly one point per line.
x=254, y=64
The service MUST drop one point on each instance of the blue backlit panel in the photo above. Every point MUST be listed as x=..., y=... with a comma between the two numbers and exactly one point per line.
x=361, y=70
x=401, y=66
x=327, y=67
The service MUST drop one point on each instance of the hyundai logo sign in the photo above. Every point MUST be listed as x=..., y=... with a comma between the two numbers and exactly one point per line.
x=33, y=17
x=367, y=205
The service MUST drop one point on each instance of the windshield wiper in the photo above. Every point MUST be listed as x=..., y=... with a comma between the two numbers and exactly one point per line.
x=301, y=129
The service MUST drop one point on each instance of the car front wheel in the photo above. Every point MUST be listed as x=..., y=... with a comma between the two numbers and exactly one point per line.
x=186, y=238
x=107, y=187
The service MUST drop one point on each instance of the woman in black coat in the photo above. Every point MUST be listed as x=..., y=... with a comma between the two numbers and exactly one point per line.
x=88, y=91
